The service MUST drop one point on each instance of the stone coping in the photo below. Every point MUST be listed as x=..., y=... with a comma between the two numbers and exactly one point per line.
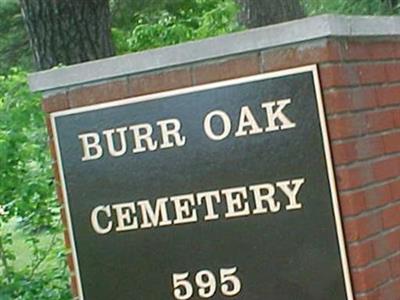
x=301, y=30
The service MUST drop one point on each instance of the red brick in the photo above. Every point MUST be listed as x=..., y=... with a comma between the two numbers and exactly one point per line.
x=55, y=102
x=371, y=295
x=346, y=126
x=63, y=216
x=396, y=117
x=48, y=126
x=226, y=69
x=377, y=196
x=359, y=228
x=369, y=147
x=386, y=168
x=52, y=147
x=352, y=203
x=337, y=101
x=364, y=97
x=372, y=73
x=342, y=75
x=386, y=244
x=361, y=254
x=395, y=266
x=395, y=189
x=330, y=52
x=392, y=71
x=70, y=262
x=390, y=291
x=393, y=239
x=382, y=50
x=74, y=286
x=56, y=172
x=371, y=277
x=391, y=216
x=357, y=50
x=391, y=142
x=338, y=75
x=159, y=82
x=354, y=177
x=344, y=152
x=93, y=94
x=350, y=99
x=396, y=47
x=275, y=59
x=59, y=193
x=370, y=50
x=67, y=241
x=379, y=121
x=388, y=95
x=360, y=123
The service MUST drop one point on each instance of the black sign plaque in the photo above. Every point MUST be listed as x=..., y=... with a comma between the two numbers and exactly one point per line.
x=219, y=191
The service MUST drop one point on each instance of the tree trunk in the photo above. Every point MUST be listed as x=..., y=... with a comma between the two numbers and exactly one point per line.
x=67, y=31
x=257, y=13
x=392, y=4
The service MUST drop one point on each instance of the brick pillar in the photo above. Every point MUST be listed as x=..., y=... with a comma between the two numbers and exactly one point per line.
x=360, y=78
x=361, y=88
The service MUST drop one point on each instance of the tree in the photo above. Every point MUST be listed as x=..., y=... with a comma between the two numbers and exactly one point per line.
x=29, y=213
x=67, y=32
x=170, y=22
x=14, y=43
x=352, y=7
x=392, y=4
x=257, y=13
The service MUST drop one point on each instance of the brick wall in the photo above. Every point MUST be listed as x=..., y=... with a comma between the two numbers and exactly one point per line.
x=361, y=92
x=360, y=78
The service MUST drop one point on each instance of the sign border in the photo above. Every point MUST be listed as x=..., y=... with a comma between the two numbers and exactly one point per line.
x=156, y=96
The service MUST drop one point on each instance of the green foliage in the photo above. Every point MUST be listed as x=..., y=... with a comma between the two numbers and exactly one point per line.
x=173, y=22
x=26, y=185
x=45, y=277
x=14, y=43
x=27, y=195
x=350, y=7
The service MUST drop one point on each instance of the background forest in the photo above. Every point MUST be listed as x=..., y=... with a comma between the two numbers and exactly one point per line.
x=32, y=254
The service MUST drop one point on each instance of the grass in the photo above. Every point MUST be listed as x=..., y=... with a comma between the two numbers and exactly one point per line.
x=23, y=252
x=35, y=274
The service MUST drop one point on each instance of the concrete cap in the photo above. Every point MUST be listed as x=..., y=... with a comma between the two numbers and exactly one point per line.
x=232, y=44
